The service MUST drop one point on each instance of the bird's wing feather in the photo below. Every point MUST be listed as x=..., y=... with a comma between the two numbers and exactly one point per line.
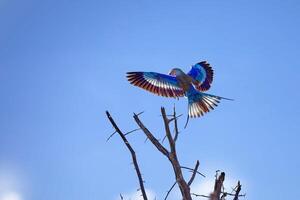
x=203, y=74
x=160, y=84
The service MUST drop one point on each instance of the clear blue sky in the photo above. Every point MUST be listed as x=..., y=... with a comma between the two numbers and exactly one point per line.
x=63, y=63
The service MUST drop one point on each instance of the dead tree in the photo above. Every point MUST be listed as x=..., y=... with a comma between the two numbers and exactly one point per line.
x=171, y=154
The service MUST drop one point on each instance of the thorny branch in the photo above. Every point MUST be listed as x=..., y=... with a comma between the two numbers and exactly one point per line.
x=218, y=193
x=133, y=156
x=151, y=137
x=183, y=186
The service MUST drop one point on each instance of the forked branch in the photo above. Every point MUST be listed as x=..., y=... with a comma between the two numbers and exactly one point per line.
x=150, y=136
x=237, y=191
x=184, y=186
x=171, y=155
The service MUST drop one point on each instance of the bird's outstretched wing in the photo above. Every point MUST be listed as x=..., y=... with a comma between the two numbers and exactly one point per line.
x=160, y=84
x=203, y=74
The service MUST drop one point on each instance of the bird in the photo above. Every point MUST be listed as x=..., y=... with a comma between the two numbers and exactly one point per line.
x=192, y=85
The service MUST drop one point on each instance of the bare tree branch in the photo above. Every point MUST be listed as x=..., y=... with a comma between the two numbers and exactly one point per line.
x=163, y=139
x=140, y=113
x=231, y=194
x=238, y=190
x=183, y=186
x=194, y=173
x=170, y=190
x=167, y=130
x=172, y=156
x=132, y=131
x=175, y=124
x=200, y=195
x=218, y=187
x=133, y=155
x=236, y=195
x=111, y=136
x=224, y=194
x=151, y=137
x=173, y=118
x=192, y=170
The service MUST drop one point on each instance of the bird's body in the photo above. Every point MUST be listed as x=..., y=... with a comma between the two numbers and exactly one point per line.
x=179, y=84
x=184, y=81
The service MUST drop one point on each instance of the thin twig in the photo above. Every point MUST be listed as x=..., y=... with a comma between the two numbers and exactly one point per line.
x=187, y=121
x=233, y=194
x=175, y=125
x=133, y=155
x=224, y=194
x=146, y=140
x=111, y=136
x=193, y=170
x=199, y=195
x=163, y=139
x=170, y=190
x=174, y=117
x=140, y=113
x=132, y=131
x=167, y=130
x=194, y=173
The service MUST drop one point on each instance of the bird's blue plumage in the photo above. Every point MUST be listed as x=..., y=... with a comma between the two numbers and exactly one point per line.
x=200, y=103
x=179, y=84
x=202, y=73
x=197, y=73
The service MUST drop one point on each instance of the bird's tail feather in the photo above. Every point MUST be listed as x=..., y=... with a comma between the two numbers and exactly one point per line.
x=200, y=103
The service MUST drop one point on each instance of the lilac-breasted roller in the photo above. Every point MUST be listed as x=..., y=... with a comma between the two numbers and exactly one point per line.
x=179, y=84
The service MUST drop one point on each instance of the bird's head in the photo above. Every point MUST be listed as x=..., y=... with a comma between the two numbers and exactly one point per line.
x=175, y=72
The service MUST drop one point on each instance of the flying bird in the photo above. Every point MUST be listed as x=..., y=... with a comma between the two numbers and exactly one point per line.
x=179, y=84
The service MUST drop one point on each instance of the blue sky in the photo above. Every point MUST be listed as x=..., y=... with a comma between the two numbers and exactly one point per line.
x=63, y=63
